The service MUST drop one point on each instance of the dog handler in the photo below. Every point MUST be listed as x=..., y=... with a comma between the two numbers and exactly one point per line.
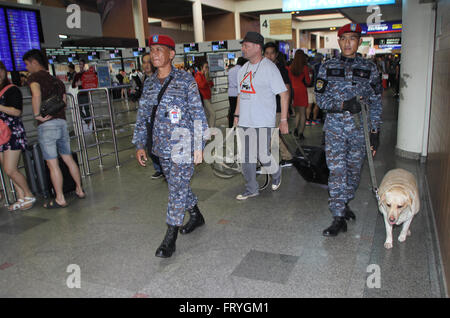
x=340, y=83
x=172, y=104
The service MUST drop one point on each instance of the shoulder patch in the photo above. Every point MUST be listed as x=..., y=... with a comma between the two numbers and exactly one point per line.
x=321, y=85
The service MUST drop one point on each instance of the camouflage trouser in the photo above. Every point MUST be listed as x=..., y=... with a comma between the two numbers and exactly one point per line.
x=181, y=198
x=345, y=153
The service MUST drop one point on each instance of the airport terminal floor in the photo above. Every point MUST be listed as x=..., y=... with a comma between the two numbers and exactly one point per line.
x=268, y=246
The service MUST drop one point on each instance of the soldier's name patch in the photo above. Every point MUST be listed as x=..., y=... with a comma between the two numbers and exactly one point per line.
x=336, y=72
x=358, y=72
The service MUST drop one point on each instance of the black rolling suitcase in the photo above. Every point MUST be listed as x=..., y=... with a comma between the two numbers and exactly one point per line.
x=36, y=171
x=38, y=174
x=69, y=184
x=309, y=161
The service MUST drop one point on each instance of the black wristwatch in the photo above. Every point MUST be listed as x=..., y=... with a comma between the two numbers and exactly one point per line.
x=236, y=115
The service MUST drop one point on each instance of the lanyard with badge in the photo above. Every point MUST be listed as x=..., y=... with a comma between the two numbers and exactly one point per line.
x=246, y=86
x=155, y=108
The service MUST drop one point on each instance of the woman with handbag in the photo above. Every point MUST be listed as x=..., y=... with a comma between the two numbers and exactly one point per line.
x=10, y=114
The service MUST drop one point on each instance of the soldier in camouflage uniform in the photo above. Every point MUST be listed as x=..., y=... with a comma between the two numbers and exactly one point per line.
x=174, y=141
x=341, y=83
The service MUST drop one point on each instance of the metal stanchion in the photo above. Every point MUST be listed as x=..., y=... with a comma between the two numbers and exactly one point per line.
x=77, y=126
x=85, y=155
x=94, y=130
x=5, y=190
x=113, y=129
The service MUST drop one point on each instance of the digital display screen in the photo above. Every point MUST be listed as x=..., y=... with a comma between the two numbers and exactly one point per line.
x=231, y=56
x=50, y=61
x=219, y=45
x=112, y=55
x=5, y=52
x=70, y=59
x=90, y=57
x=191, y=47
x=24, y=32
x=139, y=51
x=284, y=48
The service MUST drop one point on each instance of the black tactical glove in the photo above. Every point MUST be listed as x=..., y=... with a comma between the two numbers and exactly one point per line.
x=374, y=140
x=352, y=105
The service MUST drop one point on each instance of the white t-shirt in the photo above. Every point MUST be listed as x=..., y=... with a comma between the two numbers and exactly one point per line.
x=258, y=86
x=233, y=81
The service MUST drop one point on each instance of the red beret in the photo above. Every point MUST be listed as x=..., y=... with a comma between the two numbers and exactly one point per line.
x=351, y=27
x=162, y=40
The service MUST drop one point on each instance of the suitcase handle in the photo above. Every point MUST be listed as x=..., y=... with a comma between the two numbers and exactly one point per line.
x=298, y=146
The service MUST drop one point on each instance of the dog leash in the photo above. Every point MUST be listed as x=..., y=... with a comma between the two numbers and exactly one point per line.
x=373, y=177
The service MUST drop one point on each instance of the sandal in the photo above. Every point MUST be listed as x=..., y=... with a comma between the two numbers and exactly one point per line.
x=52, y=204
x=27, y=201
x=16, y=206
x=81, y=197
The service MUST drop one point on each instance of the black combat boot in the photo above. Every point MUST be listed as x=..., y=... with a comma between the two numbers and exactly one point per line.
x=338, y=225
x=349, y=213
x=195, y=220
x=167, y=246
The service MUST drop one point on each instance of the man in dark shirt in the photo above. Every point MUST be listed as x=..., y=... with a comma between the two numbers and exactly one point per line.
x=53, y=134
x=271, y=52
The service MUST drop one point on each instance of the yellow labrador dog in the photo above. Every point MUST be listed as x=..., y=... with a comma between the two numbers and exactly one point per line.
x=399, y=202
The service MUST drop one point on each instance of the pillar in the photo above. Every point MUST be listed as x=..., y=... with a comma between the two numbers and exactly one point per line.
x=237, y=24
x=415, y=79
x=138, y=19
x=198, y=20
x=297, y=35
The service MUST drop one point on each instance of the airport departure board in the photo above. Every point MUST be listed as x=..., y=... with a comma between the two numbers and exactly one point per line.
x=24, y=32
x=21, y=32
x=5, y=49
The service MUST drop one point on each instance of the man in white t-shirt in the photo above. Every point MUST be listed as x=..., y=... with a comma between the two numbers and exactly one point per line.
x=259, y=82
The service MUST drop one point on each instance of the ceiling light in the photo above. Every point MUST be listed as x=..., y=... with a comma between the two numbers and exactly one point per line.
x=321, y=17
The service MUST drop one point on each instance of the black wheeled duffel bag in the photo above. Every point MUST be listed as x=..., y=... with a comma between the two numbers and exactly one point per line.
x=309, y=161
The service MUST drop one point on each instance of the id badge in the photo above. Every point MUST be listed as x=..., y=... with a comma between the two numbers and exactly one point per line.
x=175, y=115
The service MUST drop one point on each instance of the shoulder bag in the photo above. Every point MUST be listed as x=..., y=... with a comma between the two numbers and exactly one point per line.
x=54, y=104
x=5, y=131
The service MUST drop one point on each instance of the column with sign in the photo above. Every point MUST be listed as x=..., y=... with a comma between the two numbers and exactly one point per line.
x=276, y=26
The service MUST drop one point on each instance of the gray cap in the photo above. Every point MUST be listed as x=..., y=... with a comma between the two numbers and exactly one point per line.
x=254, y=37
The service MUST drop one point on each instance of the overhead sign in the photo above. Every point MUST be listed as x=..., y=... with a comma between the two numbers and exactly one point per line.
x=276, y=26
x=301, y=5
x=390, y=43
x=385, y=27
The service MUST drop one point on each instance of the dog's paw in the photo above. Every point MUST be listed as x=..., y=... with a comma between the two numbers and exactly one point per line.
x=402, y=238
x=409, y=233
x=388, y=245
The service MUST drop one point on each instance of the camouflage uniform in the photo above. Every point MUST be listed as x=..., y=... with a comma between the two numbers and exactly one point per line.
x=341, y=79
x=173, y=141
